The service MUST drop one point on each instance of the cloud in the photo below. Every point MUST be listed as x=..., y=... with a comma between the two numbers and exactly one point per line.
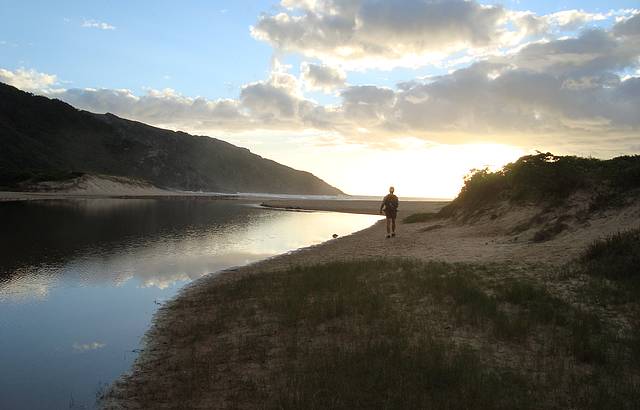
x=165, y=108
x=322, y=77
x=267, y=101
x=28, y=80
x=84, y=347
x=368, y=33
x=367, y=103
x=629, y=27
x=519, y=106
x=573, y=19
x=97, y=24
x=592, y=52
x=273, y=99
x=559, y=91
x=23, y=288
x=365, y=34
x=530, y=24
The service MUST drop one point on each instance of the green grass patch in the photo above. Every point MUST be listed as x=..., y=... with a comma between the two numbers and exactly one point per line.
x=613, y=267
x=316, y=296
x=421, y=217
x=616, y=257
x=20, y=178
x=373, y=358
x=395, y=375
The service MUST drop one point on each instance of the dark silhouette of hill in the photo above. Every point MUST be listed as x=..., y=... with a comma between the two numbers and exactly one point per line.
x=47, y=139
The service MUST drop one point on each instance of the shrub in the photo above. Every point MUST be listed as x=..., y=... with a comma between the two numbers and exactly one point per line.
x=421, y=217
x=615, y=257
x=550, y=179
x=550, y=232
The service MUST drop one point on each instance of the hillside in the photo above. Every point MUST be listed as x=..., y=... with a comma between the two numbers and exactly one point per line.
x=45, y=139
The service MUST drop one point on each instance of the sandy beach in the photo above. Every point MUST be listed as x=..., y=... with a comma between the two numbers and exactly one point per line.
x=100, y=186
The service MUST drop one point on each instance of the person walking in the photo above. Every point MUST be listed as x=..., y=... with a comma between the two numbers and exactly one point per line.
x=390, y=208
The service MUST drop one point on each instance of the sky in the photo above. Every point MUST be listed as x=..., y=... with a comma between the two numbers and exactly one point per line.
x=363, y=93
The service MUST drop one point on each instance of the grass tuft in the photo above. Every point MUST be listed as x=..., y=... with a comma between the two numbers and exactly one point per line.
x=616, y=257
x=394, y=375
x=421, y=217
x=550, y=232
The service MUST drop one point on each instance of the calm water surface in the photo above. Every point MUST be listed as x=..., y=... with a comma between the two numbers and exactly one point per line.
x=81, y=279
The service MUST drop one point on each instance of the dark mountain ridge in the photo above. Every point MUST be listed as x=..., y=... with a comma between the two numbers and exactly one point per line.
x=43, y=139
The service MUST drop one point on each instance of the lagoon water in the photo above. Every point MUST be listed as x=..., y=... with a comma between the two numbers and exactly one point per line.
x=81, y=279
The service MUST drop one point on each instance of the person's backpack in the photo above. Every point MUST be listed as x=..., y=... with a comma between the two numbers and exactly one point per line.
x=392, y=203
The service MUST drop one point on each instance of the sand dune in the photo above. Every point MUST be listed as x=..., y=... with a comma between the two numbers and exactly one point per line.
x=88, y=186
x=102, y=185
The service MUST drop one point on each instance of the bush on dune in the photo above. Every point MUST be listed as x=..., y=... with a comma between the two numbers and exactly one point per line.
x=612, y=266
x=421, y=217
x=547, y=178
x=616, y=257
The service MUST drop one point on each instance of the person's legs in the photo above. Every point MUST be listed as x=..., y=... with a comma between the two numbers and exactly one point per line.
x=388, y=226
x=393, y=226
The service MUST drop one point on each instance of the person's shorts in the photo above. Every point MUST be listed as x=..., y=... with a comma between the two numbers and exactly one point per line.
x=390, y=214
